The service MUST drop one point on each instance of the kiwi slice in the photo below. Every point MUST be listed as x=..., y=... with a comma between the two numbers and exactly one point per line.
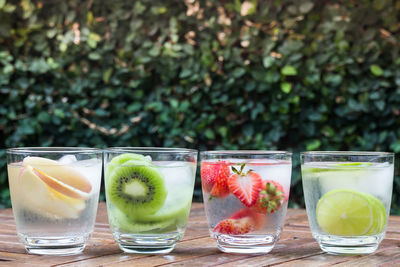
x=136, y=190
x=178, y=201
x=123, y=160
x=123, y=223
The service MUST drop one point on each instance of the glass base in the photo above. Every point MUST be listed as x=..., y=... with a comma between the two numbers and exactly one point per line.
x=349, y=245
x=147, y=244
x=62, y=246
x=248, y=244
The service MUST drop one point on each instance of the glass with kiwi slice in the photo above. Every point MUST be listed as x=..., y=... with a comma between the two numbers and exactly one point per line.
x=149, y=193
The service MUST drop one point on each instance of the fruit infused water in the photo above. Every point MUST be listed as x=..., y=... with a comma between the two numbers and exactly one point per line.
x=54, y=197
x=245, y=196
x=348, y=201
x=148, y=200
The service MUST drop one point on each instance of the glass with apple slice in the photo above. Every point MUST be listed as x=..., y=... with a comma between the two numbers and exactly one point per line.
x=54, y=196
x=245, y=197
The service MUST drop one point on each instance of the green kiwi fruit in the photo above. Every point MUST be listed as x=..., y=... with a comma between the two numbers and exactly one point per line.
x=178, y=201
x=182, y=218
x=124, y=224
x=136, y=190
x=123, y=160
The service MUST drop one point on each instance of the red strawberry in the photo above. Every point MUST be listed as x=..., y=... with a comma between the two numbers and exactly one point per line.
x=234, y=226
x=214, y=177
x=245, y=186
x=257, y=219
x=271, y=197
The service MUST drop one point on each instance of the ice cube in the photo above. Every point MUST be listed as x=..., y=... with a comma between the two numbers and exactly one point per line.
x=67, y=159
x=86, y=163
x=91, y=169
x=375, y=181
x=280, y=173
x=178, y=174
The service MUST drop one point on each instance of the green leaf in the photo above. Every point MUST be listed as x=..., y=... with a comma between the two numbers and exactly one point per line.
x=107, y=75
x=238, y=72
x=223, y=131
x=63, y=47
x=268, y=61
x=94, y=56
x=44, y=117
x=8, y=68
x=396, y=146
x=8, y=8
x=306, y=7
x=286, y=87
x=376, y=70
x=289, y=70
x=313, y=145
x=59, y=113
x=209, y=134
x=174, y=103
x=185, y=73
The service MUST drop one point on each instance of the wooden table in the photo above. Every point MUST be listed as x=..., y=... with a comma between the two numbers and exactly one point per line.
x=296, y=247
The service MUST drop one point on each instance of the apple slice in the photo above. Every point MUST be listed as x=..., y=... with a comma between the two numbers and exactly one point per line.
x=61, y=177
x=59, y=186
x=32, y=193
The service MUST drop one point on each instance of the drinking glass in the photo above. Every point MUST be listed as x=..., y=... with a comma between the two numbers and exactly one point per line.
x=54, y=196
x=245, y=197
x=149, y=193
x=347, y=196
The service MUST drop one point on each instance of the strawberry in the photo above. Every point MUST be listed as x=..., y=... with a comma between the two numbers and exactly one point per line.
x=245, y=186
x=271, y=197
x=234, y=226
x=214, y=177
x=257, y=219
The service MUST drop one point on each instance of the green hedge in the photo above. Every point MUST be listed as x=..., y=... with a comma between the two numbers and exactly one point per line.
x=295, y=75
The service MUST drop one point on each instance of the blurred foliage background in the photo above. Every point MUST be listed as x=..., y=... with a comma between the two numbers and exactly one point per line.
x=292, y=75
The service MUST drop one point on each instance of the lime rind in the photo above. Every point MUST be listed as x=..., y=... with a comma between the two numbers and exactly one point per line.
x=345, y=212
x=354, y=164
x=351, y=166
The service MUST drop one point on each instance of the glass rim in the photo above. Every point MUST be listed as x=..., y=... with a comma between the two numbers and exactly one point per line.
x=51, y=150
x=347, y=153
x=150, y=149
x=246, y=152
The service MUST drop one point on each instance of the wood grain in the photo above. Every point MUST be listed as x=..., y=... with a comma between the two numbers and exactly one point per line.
x=295, y=248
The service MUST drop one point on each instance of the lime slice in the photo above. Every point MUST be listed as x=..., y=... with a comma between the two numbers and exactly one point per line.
x=354, y=164
x=379, y=214
x=345, y=212
x=348, y=166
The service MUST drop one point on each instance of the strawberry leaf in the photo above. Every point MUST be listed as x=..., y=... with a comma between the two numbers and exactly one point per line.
x=235, y=170
x=242, y=167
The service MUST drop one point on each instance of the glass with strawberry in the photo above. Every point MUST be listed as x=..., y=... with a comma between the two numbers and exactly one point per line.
x=245, y=197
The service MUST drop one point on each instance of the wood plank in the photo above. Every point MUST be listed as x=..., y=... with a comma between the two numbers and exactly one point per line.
x=93, y=250
x=183, y=249
x=297, y=247
x=220, y=258
x=199, y=251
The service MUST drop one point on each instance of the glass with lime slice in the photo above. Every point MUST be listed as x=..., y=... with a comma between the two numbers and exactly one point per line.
x=347, y=196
